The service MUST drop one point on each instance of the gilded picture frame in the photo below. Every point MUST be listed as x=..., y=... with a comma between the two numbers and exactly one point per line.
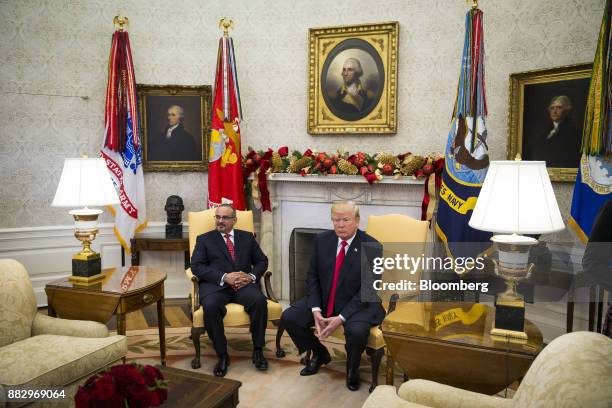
x=175, y=126
x=352, y=79
x=545, y=117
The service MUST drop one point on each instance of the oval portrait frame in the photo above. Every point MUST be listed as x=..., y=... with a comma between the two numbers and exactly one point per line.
x=346, y=45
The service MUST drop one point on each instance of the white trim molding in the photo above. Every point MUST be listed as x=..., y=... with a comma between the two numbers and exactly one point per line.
x=46, y=252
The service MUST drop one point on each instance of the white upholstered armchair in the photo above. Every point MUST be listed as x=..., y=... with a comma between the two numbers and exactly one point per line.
x=574, y=370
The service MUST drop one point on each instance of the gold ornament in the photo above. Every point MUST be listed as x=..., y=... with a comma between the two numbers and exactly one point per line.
x=277, y=163
x=411, y=164
x=297, y=165
x=387, y=158
x=346, y=167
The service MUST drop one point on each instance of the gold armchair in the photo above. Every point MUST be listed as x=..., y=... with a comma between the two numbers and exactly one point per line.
x=388, y=230
x=392, y=228
x=199, y=223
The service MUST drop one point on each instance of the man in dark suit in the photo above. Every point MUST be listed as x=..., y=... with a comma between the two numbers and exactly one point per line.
x=229, y=264
x=334, y=294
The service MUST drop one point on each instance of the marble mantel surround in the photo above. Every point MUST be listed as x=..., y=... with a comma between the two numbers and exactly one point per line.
x=305, y=202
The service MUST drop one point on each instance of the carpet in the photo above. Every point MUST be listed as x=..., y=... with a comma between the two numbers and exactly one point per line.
x=279, y=386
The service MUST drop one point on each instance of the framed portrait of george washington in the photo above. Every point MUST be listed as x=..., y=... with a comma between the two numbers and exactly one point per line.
x=352, y=79
x=546, y=117
x=175, y=123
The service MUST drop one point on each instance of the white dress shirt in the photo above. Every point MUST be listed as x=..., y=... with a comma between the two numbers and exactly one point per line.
x=169, y=131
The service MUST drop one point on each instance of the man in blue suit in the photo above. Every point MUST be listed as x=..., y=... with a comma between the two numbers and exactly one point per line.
x=230, y=264
x=334, y=294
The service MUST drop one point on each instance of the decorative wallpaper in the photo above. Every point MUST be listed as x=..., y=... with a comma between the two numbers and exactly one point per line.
x=55, y=53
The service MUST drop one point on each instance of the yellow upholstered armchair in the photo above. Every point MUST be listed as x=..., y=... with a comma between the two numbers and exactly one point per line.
x=199, y=223
x=574, y=370
x=391, y=231
x=42, y=352
x=387, y=229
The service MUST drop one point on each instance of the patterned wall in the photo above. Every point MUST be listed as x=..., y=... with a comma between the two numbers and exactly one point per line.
x=53, y=76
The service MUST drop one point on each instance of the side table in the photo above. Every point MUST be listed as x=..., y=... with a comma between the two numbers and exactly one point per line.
x=156, y=242
x=122, y=290
x=450, y=343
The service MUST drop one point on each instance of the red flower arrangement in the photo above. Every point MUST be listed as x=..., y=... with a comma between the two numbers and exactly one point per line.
x=125, y=385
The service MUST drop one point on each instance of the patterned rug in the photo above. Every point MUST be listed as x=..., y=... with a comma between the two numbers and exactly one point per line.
x=144, y=344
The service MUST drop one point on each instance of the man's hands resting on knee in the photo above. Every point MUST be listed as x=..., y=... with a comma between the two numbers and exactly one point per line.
x=237, y=280
x=324, y=326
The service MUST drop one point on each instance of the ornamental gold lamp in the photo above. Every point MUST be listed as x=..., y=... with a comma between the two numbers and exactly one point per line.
x=516, y=198
x=85, y=182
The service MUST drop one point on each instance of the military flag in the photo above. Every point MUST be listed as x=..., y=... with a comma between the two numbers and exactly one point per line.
x=225, y=182
x=594, y=181
x=466, y=153
x=121, y=149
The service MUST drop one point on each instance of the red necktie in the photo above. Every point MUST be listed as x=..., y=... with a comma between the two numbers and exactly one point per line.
x=230, y=246
x=332, y=292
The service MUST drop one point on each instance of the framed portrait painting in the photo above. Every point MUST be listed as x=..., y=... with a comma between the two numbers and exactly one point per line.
x=546, y=117
x=175, y=123
x=352, y=81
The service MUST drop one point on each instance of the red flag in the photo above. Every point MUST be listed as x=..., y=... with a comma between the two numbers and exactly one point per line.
x=121, y=148
x=225, y=183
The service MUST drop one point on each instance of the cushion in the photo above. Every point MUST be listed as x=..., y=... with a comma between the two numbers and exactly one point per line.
x=236, y=316
x=17, y=302
x=54, y=361
x=375, y=340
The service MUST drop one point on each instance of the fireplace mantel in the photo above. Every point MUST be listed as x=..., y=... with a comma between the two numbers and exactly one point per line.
x=339, y=178
x=305, y=202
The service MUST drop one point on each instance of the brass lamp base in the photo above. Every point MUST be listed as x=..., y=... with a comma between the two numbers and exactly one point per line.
x=86, y=268
x=509, y=319
x=87, y=281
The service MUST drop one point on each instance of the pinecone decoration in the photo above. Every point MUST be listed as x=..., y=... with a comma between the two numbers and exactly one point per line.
x=297, y=165
x=277, y=163
x=346, y=167
x=411, y=164
x=387, y=158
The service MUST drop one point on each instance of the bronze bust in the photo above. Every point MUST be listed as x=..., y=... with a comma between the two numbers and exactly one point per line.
x=174, y=208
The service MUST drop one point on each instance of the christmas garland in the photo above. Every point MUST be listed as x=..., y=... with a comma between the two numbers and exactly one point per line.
x=372, y=167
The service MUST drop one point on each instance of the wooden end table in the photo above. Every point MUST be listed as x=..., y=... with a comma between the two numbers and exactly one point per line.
x=123, y=290
x=450, y=343
x=197, y=390
x=156, y=242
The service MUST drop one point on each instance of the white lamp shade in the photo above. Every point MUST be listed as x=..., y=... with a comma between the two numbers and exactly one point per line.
x=85, y=182
x=517, y=197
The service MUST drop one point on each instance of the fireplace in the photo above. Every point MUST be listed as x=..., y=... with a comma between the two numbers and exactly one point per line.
x=304, y=203
x=300, y=249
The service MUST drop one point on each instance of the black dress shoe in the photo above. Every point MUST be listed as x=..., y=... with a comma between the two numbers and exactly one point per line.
x=221, y=366
x=319, y=357
x=259, y=360
x=352, y=379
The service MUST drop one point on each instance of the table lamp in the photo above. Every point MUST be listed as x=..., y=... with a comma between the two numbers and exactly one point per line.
x=85, y=182
x=516, y=198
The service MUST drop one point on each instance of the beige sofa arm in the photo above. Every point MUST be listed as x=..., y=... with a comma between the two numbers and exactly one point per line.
x=44, y=324
x=385, y=396
x=436, y=395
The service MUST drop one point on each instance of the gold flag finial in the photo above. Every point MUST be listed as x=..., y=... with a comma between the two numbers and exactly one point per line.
x=120, y=22
x=227, y=25
x=474, y=3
